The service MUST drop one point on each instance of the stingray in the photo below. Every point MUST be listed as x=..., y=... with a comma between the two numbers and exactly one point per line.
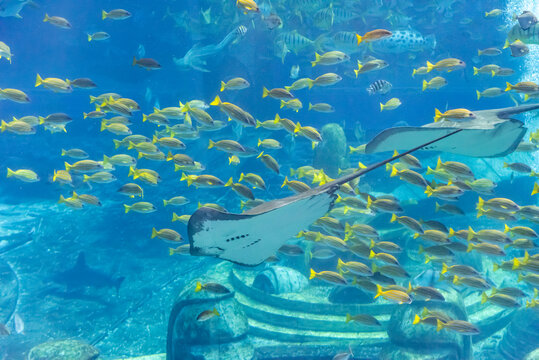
x=251, y=237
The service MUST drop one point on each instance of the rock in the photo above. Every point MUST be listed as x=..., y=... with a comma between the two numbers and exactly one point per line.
x=400, y=353
x=521, y=336
x=534, y=355
x=422, y=337
x=330, y=154
x=223, y=336
x=350, y=295
x=63, y=350
x=280, y=280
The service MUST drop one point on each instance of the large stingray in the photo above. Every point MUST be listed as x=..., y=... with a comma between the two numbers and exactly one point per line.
x=253, y=236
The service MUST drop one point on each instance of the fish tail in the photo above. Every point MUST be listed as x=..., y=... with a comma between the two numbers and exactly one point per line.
x=313, y=274
x=198, y=287
x=46, y=18
x=127, y=208
x=417, y=320
x=265, y=92
x=154, y=233
x=215, y=102
x=535, y=189
x=89, y=37
x=425, y=85
x=509, y=86
x=223, y=86
x=475, y=70
x=439, y=325
x=430, y=67
x=39, y=80
x=478, y=94
x=379, y=290
x=359, y=39
x=381, y=107
x=437, y=115
x=3, y=126
x=103, y=14
x=413, y=72
x=283, y=103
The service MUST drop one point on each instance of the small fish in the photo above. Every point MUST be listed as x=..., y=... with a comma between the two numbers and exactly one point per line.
x=322, y=107
x=167, y=235
x=237, y=83
x=82, y=83
x=5, y=51
x=493, y=13
x=293, y=104
x=272, y=21
x=212, y=288
x=517, y=47
x=490, y=92
x=391, y=104
x=98, y=36
x=330, y=58
x=54, y=84
x=489, y=52
x=397, y=296
x=131, y=190
x=247, y=6
x=142, y=207
x=116, y=14
x=208, y=314
x=14, y=95
x=502, y=300
x=329, y=277
x=526, y=20
x=453, y=114
x=147, y=63
x=277, y=93
x=460, y=326
x=373, y=35
x=448, y=65
x=518, y=167
x=379, y=87
x=434, y=83
x=420, y=71
x=57, y=21
x=364, y=319
x=23, y=175
x=525, y=87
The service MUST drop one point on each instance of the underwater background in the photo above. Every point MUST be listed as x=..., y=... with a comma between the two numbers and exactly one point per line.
x=100, y=276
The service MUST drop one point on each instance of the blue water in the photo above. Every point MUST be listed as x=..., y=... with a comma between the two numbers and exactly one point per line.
x=43, y=238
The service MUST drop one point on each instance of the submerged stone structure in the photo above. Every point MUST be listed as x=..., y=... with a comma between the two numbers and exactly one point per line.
x=309, y=323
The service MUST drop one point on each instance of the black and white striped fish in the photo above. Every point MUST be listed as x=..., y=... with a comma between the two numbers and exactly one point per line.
x=379, y=87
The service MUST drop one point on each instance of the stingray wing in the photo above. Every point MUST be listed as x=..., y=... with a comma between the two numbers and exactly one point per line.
x=500, y=140
x=250, y=239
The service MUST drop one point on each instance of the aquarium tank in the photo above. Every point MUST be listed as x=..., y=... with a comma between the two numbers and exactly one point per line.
x=269, y=180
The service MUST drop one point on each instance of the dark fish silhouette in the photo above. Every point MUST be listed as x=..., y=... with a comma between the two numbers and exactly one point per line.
x=81, y=275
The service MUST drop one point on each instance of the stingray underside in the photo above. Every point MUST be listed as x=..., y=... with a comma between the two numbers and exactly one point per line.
x=249, y=239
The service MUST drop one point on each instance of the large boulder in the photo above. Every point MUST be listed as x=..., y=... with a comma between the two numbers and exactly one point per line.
x=330, y=154
x=521, y=336
x=423, y=338
x=280, y=280
x=223, y=336
x=63, y=350
x=402, y=353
